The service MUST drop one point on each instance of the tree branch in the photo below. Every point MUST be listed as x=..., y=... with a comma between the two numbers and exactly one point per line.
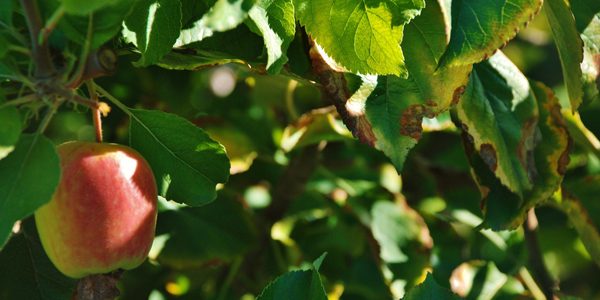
x=44, y=68
x=536, y=261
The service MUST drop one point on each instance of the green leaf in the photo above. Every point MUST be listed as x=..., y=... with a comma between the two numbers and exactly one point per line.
x=27, y=273
x=430, y=290
x=296, y=285
x=584, y=12
x=362, y=35
x=6, y=12
x=499, y=115
x=106, y=23
x=224, y=15
x=395, y=109
x=153, y=26
x=10, y=129
x=580, y=204
x=481, y=27
x=275, y=21
x=225, y=228
x=177, y=149
x=569, y=47
x=77, y=7
x=28, y=177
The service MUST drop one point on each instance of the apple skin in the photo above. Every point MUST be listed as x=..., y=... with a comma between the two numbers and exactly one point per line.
x=102, y=216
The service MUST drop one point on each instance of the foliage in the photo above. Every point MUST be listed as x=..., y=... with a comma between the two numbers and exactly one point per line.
x=394, y=135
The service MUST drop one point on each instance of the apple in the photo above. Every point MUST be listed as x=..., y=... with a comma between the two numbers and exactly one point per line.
x=102, y=216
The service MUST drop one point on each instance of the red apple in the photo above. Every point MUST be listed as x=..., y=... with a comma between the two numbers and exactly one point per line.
x=102, y=216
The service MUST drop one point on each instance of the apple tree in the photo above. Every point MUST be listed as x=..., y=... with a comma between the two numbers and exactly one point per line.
x=299, y=149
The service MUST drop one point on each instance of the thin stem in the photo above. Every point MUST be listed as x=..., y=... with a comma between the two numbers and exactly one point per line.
x=76, y=78
x=536, y=260
x=41, y=54
x=289, y=99
x=50, y=25
x=19, y=49
x=233, y=270
x=114, y=100
x=96, y=115
x=48, y=117
x=19, y=101
x=535, y=290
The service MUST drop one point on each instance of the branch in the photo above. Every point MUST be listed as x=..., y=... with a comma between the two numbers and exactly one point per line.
x=41, y=53
x=536, y=261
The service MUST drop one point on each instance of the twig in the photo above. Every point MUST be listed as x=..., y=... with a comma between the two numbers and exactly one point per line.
x=41, y=54
x=75, y=80
x=535, y=290
x=536, y=261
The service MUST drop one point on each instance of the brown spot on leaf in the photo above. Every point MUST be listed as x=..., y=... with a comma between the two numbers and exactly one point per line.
x=525, y=148
x=564, y=159
x=410, y=121
x=488, y=154
x=457, y=93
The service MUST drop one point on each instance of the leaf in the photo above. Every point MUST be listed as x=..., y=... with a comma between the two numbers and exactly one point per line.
x=312, y=128
x=296, y=285
x=201, y=59
x=28, y=177
x=584, y=12
x=27, y=273
x=10, y=129
x=395, y=109
x=580, y=205
x=430, y=290
x=362, y=35
x=275, y=21
x=499, y=115
x=178, y=150
x=221, y=230
x=590, y=66
x=77, y=7
x=6, y=13
x=153, y=26
x=223, y=16
x=569, y=45
x=106, y=22
x=481, y=27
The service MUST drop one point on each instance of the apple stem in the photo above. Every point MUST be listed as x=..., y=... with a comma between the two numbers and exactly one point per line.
x=96, y=114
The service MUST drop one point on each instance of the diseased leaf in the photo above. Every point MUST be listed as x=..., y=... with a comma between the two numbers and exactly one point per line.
x=275, y=21
x=153, y=26
x=180, y=152
x=224, y=15
x=225, y=227
x=33, y=163
x=430, y=290
x=569, y=45
x=396, y=107
x=361, y=35
x=481, y=27
x=590, y=66
x=499, y=115
x=312, y=128
x=27, y=273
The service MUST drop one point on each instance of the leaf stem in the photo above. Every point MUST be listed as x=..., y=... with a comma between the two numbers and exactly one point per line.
x=44, y=68
x=114, y=100
x=96, y=115
x=48, y=117
x=19, y=101
x=535, y=290
x=233, y=270
x=76, y=78
x=289, y=99
x=50, y=25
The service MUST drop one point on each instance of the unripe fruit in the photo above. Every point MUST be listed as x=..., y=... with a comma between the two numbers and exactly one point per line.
x=102, y=216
